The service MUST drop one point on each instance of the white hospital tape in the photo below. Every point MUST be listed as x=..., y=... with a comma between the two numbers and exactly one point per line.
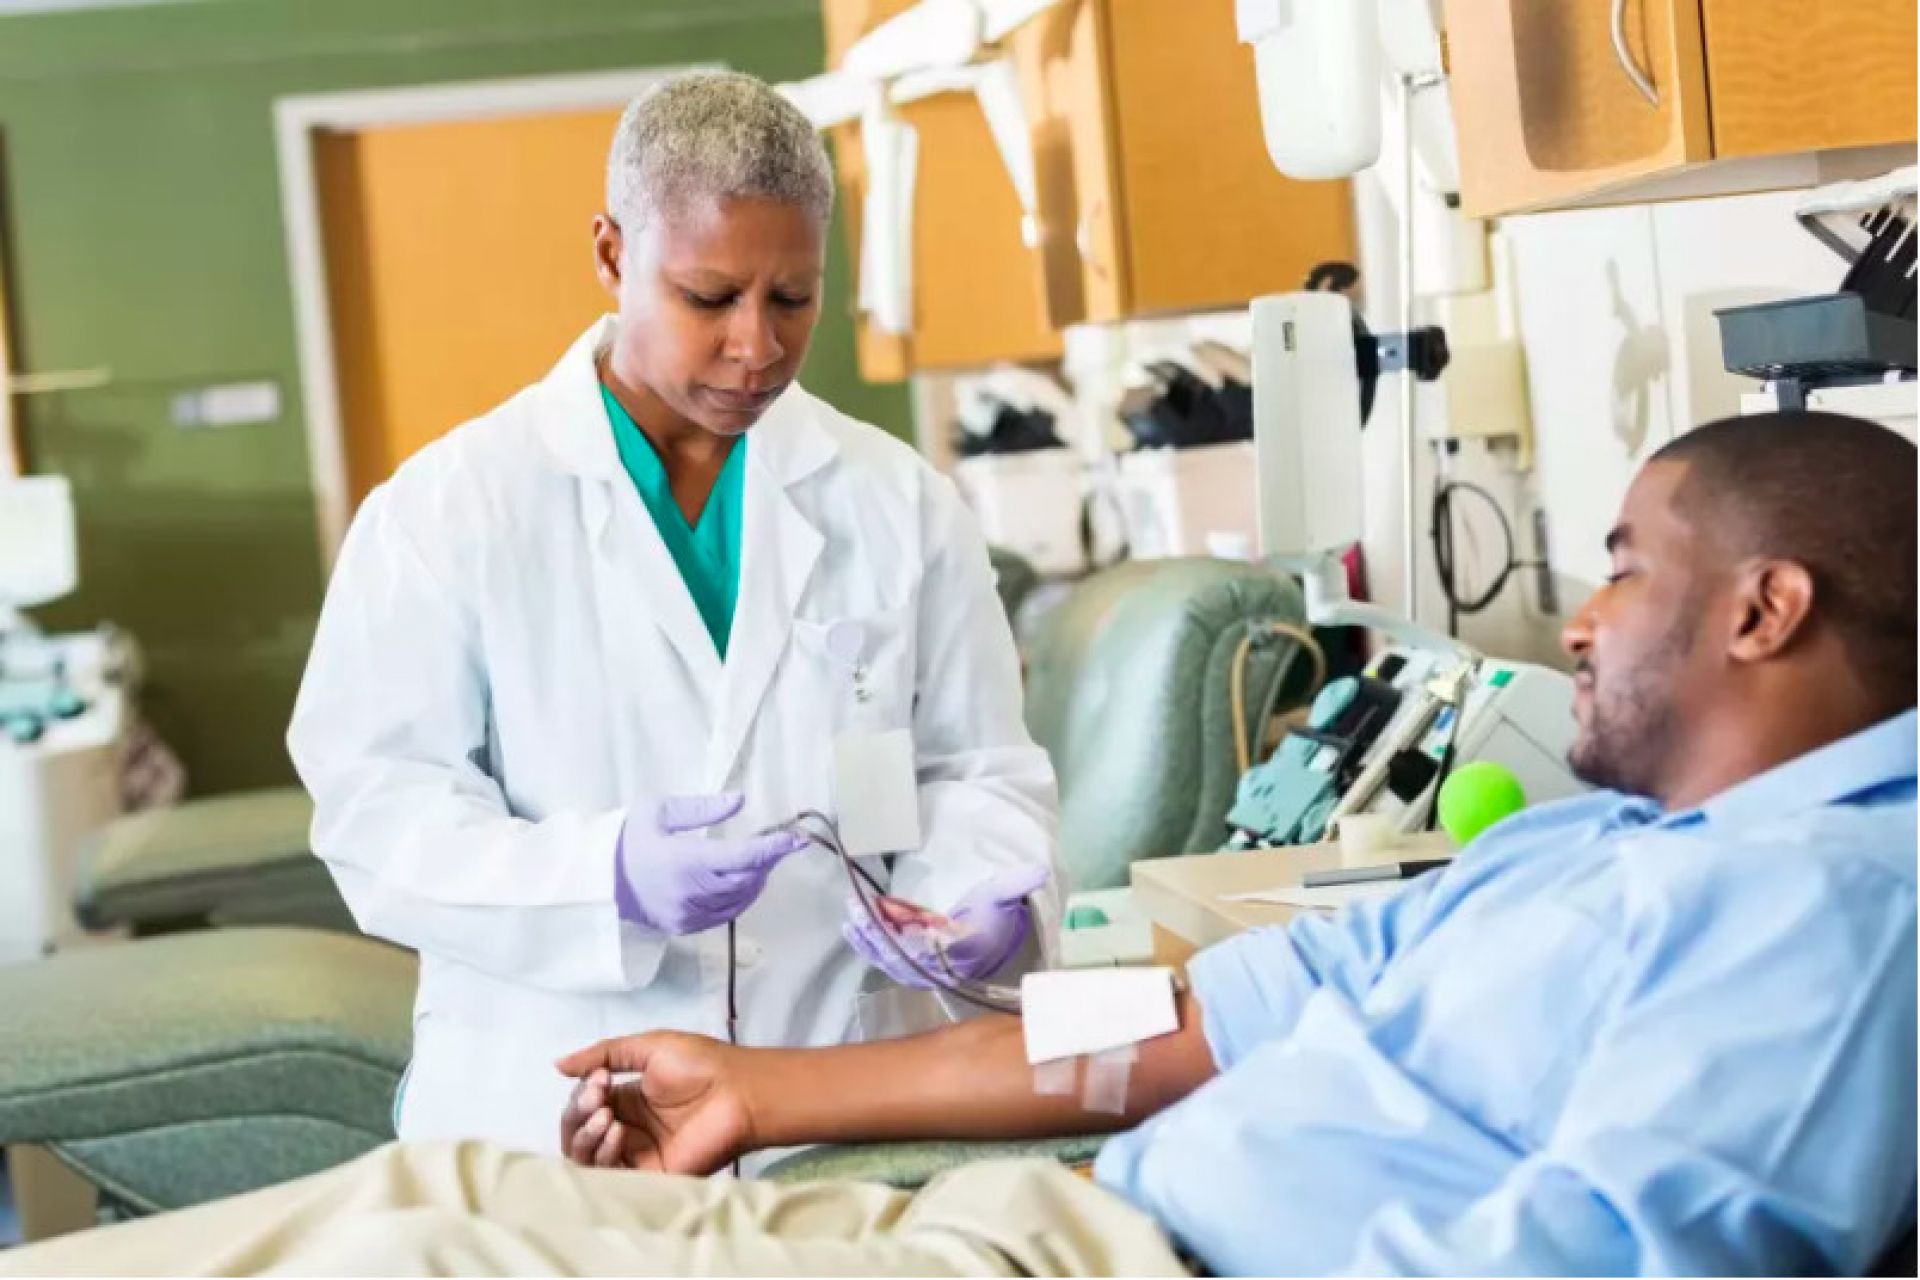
x=1068, y=1012
x=1054, y=1079
x=1107, y=1076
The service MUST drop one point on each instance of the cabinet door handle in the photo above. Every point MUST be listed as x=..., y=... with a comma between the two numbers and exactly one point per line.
x=1627, y=64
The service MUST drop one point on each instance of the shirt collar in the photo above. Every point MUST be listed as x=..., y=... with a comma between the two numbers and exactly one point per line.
x=1860, y=762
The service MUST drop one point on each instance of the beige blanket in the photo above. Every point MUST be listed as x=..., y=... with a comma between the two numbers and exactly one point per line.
x=472, y=1209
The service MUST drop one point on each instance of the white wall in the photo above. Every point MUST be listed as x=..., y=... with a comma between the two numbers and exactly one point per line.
x=1616, y=313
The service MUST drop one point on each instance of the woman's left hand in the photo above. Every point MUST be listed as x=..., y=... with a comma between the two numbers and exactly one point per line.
x=976, y=938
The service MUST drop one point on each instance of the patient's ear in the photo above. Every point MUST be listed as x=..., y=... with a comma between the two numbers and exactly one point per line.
x=1775, y=599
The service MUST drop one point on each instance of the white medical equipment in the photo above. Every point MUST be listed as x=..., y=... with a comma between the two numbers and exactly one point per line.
x=1314, y=371
x=1321, y=66
x=1029, y=500
x=1850, y=351
x=62, y=718
x=1380, y=744
x=1384, y=743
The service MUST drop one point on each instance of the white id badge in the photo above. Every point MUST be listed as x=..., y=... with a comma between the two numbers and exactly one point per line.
x=874, y=791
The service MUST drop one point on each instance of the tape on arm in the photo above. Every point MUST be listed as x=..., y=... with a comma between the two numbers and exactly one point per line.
x=1099, y=1015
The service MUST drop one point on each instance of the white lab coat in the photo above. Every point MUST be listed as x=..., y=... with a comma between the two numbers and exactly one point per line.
x=508, y=661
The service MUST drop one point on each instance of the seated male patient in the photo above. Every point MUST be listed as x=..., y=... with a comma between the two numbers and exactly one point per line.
x=1666, y=1027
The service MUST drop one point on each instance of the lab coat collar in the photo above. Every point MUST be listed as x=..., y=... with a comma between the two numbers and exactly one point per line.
x=788, y=443
x=572, y=421
x=779, y=544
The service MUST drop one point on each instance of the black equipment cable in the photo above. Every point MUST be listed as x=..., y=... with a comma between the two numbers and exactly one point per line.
x=820, y=830
x=1443, y=551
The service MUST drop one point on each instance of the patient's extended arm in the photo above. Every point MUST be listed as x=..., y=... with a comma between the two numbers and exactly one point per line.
x=697, y=1103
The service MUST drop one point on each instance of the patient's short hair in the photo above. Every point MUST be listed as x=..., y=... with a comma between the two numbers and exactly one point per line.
x=1833, y=493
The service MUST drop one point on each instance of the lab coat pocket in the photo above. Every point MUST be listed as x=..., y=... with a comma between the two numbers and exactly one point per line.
x=864, y=664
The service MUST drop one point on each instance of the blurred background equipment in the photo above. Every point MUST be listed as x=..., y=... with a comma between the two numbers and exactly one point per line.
x=63, y=716
x=1017, y=472
x=1850, y=351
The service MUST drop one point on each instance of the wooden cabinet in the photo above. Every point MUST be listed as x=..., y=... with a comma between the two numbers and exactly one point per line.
x=975, y=300
x=1548, y=113
x=1787, y=75
x=1154, y=193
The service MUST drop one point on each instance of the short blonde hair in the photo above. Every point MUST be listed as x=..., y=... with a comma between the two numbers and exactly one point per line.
x=714, y=135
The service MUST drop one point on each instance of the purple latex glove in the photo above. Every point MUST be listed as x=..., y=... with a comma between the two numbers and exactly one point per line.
x=992, y=921
x=673, y=879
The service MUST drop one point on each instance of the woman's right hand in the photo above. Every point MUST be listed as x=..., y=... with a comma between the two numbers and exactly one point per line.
x=681, y=1109
x=675, y=878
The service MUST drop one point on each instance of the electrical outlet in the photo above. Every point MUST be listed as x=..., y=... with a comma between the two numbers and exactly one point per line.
x=1545, y=590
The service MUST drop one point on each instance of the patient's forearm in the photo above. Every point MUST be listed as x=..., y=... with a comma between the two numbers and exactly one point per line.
x=966, y=1081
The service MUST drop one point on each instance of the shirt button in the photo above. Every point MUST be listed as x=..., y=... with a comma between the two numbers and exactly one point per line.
x=746, y=952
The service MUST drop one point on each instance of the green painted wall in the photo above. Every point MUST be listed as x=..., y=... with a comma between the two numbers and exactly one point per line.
x=143, y=224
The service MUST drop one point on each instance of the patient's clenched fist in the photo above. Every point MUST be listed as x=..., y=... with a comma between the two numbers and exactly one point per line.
x=589, y=1134
x=675, y=1105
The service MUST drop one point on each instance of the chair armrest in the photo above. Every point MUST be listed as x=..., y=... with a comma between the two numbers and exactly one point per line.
x=909, y=1165
x=179, y=1069
x=227, y=860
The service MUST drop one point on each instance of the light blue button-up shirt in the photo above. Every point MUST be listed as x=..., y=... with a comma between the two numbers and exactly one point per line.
x=1604, y=1040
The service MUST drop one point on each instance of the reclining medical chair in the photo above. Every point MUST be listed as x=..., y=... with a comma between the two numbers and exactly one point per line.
x=183, y=1068
x=226, y=860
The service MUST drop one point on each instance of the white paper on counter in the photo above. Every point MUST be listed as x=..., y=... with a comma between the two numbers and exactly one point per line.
x=1330, y=898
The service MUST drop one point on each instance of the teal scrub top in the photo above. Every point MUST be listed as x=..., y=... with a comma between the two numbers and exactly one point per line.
x=707, y=553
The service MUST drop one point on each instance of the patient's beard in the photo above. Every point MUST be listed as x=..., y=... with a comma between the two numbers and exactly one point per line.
x=1633, y=732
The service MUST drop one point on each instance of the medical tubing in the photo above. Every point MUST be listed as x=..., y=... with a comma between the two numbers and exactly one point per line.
x=828, y=839
x=955, y=987
x=988, y=997
x=1244, y=746
x=1443, y=558
x=733, y=1005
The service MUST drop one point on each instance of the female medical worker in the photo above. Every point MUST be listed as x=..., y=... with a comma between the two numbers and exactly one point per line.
x=578, y=655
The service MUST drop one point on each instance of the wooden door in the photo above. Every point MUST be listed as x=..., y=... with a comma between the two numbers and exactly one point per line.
x=459, y=268
x=1546, y=111
x=1789, y=75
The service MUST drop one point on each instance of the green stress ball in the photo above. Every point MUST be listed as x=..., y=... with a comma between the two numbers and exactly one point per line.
x=1477, y=795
